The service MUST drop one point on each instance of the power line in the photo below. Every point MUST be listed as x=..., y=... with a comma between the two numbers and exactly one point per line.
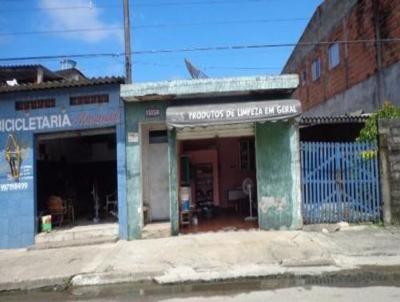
x=146, y=26
x=207, y=66
x=241, y=68
x=255, y=46
x=219, y=22
x=60, y=31
x=201, y=49
x=134, y=5
x=55, y=8
x=200, y=2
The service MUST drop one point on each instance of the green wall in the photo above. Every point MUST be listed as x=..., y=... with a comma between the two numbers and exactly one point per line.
x=278, y=172
x=278, y=175
x=135, y=113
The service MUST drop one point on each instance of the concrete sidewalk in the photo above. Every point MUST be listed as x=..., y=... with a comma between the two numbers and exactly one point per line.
x=203, y=257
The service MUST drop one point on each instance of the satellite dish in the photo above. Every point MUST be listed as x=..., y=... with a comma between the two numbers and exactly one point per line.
x=248, y=187
x=194, y=72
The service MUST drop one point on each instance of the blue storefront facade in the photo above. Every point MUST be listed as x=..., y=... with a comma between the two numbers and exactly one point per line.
x=26, y=113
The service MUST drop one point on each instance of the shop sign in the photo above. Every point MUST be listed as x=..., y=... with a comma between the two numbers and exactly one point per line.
x=86, y=119
x=17, y=186
x=153, y=112
x=16, y=173
x=217, y=114
x=55, y=121
x=13, y=156
x=35, y=123
x=133, y=137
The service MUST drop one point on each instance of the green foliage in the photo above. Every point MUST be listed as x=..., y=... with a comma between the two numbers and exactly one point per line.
x=369, y=154
x=370, y=131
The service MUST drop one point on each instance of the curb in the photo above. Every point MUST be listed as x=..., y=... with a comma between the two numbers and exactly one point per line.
x=73, y=243
x=95, y=279
x=307, y=263
x=58, y=282
x=175, y=276
x=186, y=274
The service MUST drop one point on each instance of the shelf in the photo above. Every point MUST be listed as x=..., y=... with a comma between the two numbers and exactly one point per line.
x=204, y=183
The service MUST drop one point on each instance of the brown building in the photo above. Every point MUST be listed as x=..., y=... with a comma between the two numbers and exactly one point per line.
x=348, y=57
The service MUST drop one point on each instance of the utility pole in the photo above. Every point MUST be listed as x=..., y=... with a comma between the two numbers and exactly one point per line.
x=128, y=53
x=380, y=84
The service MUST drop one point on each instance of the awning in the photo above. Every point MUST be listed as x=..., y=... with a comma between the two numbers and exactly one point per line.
x=232, y=113
x=221, y=131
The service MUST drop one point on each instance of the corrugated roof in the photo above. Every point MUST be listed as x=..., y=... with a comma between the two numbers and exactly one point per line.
x=305, y=120
x=62, y=84
x=20, y=66
x=26, y=73
x=210, y=87
x=70, y=73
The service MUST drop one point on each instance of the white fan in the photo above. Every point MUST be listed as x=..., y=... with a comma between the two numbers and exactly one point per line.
x=247, y=187
x=95, y=195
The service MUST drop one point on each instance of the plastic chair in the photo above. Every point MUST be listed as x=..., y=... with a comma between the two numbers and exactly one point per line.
x=112, y=202
x=60, y=209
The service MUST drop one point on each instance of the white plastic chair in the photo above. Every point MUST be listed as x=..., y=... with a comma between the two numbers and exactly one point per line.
x=112, y=203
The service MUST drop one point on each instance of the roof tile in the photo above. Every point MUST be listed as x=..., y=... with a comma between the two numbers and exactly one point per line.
x=62, y=84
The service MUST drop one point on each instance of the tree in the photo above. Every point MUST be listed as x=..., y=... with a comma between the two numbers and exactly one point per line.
x=370, y=131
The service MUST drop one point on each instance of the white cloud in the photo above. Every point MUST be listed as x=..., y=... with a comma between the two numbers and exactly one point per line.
x=70, y=19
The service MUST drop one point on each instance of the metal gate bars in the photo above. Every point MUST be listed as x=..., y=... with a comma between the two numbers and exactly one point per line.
x=340, y=182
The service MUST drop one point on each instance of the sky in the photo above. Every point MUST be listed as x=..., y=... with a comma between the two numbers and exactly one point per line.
x=31, y=28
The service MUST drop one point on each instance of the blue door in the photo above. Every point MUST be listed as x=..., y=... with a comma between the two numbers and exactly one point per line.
x=340, y=182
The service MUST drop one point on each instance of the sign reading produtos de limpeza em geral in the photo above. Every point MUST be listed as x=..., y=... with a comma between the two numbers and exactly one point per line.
x=231, y=113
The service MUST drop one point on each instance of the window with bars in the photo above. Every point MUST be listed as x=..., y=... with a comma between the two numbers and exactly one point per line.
x=88, y=99
x=35, y=104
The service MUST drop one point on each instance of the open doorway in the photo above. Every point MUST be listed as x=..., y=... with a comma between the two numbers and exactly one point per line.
x=155, y=173
x=217, y=184
x=155, y=184
x=77, y=177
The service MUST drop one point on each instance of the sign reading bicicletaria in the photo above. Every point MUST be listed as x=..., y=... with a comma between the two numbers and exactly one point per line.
x=232, y=113
x=74, y=120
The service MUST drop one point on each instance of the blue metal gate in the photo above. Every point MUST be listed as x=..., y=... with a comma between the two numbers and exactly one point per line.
x=340, y=182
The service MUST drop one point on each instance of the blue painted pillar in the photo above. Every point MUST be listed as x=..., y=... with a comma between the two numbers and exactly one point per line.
x=173, y=182
x=134, y=185
x=121, y=180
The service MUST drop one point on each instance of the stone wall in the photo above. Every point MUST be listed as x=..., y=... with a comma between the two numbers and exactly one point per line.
x=389, y=144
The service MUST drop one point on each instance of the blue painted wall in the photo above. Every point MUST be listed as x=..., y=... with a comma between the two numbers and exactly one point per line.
x=18, y=198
